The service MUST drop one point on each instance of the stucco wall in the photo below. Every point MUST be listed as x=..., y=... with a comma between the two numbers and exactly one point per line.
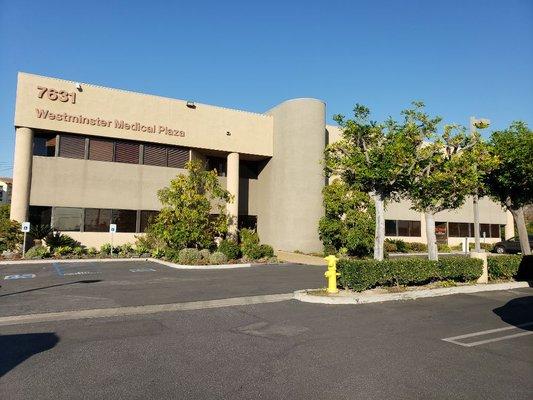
x=204, y=126
x=70, y=182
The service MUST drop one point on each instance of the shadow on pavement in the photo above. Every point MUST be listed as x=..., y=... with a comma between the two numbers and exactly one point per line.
x=15, y=349
x=51, y=286
x=517, y=312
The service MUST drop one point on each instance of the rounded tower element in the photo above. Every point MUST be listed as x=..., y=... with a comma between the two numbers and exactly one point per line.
x=293, y=179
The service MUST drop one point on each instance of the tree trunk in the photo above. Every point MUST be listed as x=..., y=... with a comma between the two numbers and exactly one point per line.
x=477, y=247
x=518, y=215
x=379, y=237
x=431, y=237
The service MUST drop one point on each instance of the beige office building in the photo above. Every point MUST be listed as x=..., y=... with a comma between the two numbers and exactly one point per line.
x=88, y=156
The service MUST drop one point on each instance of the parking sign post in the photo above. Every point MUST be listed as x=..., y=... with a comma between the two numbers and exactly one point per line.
x=112, y=230
x=25, y=227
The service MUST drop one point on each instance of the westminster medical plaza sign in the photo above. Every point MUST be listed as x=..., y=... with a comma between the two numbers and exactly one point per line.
x=107, y=123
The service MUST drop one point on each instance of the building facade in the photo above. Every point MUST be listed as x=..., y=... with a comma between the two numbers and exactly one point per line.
x=5, y=190
x=88, y=156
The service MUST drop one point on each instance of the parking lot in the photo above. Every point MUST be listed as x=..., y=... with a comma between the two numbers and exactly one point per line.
x=476, y=346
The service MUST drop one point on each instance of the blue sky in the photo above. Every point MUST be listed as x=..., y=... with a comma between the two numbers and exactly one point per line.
x=461, y=57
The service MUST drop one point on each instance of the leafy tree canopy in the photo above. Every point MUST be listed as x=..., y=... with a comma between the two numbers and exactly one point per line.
x=511, y=182
x=187, y=218
x=348, y=222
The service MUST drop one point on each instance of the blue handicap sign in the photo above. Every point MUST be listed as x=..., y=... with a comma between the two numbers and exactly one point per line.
x=19, y=276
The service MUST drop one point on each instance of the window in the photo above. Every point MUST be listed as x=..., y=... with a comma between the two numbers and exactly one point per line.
x=458, y=229
x=67, y=219
x=217, y=163
x=390, y=227
x=155, y=155
x=177, y=157
x=39, y=215
x=44, y=144
x=494, y=231
x=248, y=222
x=126, y=220
x=248, y=169
x=97, y=220
x=147, y=217
x=127, y=152
x=408, y=228
x=100, y=149
x=72, y=146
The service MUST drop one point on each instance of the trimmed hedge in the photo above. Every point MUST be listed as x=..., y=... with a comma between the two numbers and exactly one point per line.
x=361, y=275
x=503, y=267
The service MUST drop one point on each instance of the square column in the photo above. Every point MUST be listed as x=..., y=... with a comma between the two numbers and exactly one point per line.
x=20, y=195
x=232, y=185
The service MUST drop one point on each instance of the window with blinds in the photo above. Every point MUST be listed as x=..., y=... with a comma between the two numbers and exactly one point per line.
x=177, y=157
x=100, y=149
x=72, y=146
x=126, y=152
x=155, y=155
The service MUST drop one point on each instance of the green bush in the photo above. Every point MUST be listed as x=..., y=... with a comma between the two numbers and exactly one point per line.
x=125, y=250
x=389, y=246
x=78, y=251
x=37, y=252
x=105, y=249
x=266, y=251
x=62, y=251
x=443, y=248
x=230, y=248
x=205, y=254
x=503, y=267
x=484, y=246
x=60, y=240
x=218, y=258
x=91, y=251
x=272, y=260
x=10, y=234
x=189, y=256
x=395, y=246
x=361, y=275
x=416, y=247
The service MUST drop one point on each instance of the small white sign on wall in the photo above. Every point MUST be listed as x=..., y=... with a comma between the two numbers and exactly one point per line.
x=113, y=228
x=25, y=227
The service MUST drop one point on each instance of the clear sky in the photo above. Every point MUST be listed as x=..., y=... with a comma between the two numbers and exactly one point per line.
x=461, y=57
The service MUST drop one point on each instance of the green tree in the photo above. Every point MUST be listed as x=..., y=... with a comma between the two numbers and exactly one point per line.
x=511, y=182
x=10, y=234
x=348, y=222
x=375, y=158
x=187, y=218
x=446, y=172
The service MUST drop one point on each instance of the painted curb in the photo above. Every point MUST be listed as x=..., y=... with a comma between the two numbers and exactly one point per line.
x=303, y=296
x=73, y=260
x=155, y=260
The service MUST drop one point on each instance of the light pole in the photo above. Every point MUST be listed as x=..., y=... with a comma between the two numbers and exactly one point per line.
x=477, y=123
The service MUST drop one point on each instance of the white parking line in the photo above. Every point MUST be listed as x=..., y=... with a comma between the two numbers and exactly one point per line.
x=455, y=339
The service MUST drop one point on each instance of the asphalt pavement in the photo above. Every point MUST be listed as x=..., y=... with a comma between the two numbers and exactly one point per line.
x=476, y=346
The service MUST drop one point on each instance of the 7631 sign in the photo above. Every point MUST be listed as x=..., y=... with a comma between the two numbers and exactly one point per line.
x=53, y=94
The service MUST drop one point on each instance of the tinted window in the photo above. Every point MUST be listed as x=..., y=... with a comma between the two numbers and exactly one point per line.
x=127, y=152
x=97, y=220
x=39, y=215
x=72, y=146
x=155, y=155
x=67, y=218
x=217, y=163
x=495, y=231
x=100, y=149
x=458, y=229
x=390, y=227
x=177, y=157
x=126, y=220
x=147, y=218
x=44, y=144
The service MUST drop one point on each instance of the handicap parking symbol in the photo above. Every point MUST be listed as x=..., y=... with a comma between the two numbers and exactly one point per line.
x=19, y=276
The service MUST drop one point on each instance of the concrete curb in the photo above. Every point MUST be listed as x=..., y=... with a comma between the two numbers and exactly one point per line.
x=200, y=267
x=360, y=298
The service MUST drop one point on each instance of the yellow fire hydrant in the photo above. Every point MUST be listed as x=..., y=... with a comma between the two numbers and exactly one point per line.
x=331, y=274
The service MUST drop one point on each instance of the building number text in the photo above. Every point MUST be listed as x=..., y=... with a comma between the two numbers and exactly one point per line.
x=53, y=94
